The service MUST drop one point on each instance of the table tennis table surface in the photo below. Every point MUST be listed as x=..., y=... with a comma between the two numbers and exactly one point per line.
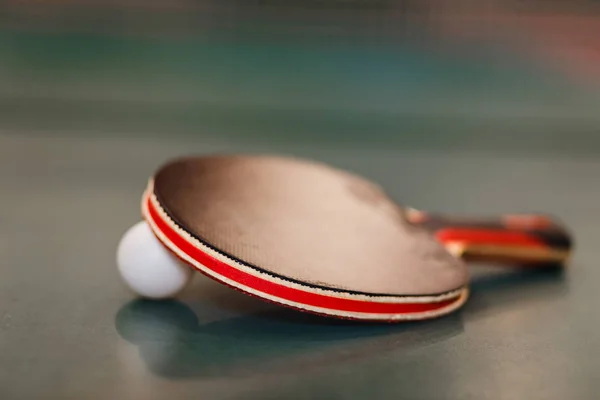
x=80, y=133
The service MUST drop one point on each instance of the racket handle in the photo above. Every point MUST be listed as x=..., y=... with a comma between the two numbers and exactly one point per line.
x=536, y=240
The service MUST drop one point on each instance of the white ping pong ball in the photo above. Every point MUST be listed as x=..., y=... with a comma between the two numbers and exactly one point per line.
x=147, y=267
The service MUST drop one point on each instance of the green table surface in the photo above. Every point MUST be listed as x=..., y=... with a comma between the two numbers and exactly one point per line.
x=77, y=145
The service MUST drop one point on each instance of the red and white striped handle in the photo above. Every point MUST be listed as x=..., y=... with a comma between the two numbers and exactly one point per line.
x=511, y=239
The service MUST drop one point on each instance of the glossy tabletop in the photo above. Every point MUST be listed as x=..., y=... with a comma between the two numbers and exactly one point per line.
x=73, y=168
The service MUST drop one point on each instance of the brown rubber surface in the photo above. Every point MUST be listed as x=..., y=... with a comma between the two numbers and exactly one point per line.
x=306, y=222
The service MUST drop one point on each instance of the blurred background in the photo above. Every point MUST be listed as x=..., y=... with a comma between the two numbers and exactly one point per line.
x=480, y=107
x=500, y=75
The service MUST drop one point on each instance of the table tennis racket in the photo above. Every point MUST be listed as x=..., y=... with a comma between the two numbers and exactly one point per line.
x=314, y=238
